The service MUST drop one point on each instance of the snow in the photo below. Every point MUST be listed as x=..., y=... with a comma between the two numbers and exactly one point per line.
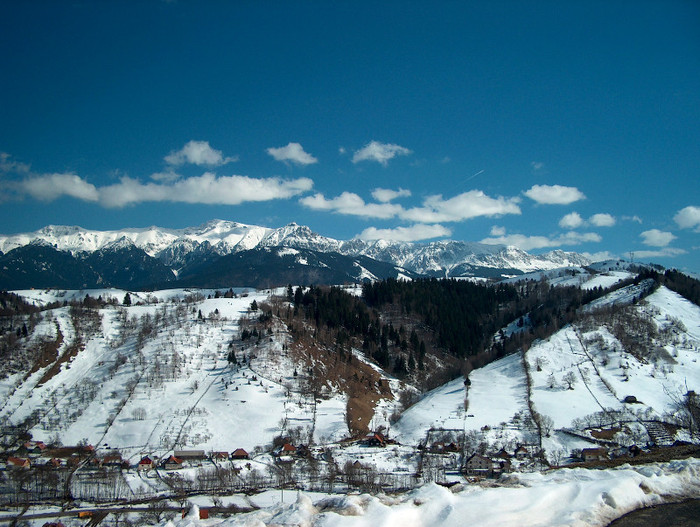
x=210, y=404
x=567, y=497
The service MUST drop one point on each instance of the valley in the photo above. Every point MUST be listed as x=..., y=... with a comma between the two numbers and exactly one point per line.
x=175, y=394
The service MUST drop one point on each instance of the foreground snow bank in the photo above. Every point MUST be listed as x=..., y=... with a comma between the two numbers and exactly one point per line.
x=568, y=497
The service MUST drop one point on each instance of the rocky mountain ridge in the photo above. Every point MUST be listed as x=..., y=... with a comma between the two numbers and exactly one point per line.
x=184, y=249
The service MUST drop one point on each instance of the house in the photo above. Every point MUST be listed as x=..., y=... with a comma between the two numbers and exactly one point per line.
x=112, y=460
x=218, y=456
x=34, y=448
x=239, y=453
x=54, y=462
x=478, y=466
x=503, y=455
x=18, y=462
x=287, y=453
x=501, y=466
x=288, y=450
x=521, y=452
x=375, y=439
x=187, y=455
x=172, y=463
x=594, y=454
x=145, y=464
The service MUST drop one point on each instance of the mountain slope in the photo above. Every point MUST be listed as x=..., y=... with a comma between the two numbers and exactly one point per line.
x=275, y=266
x=185, y=249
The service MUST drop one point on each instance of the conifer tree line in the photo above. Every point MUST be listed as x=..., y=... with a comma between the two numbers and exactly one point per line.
x=462, y=316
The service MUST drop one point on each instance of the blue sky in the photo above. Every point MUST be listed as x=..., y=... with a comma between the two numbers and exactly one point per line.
x=571, y=125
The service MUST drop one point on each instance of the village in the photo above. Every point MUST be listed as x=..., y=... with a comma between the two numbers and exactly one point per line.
x=35, y=471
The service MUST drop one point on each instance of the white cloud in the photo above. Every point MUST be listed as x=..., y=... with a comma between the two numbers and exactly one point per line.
x=537, y=165
x=464, y=206
x=198, y=153
x=405, y=234
x=204, y=189
x=49, y=187
x=602, y=220
x=385, y=195
x=168, y=176
x=599, y=256
x=634, y=218
x=657, y=238
x=434, y=210
x=7, y=165
x=498, y=231
x=292, y=152
x=527, y=243
x=573, y=220
x=688, y=218
x=554, y=194
x=379, y=152
x=661, y=253
x=351, y=204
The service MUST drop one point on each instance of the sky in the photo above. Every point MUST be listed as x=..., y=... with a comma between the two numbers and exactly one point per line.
x=546, y=125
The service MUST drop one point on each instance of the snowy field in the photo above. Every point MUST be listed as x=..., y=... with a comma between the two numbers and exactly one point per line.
x=567, y=497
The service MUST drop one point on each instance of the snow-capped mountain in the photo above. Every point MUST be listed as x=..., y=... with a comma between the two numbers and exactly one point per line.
x=182, y=249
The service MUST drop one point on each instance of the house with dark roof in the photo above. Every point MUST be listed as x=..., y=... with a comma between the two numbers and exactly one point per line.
x=145, y=464
x=239, y=453
x=172, y=463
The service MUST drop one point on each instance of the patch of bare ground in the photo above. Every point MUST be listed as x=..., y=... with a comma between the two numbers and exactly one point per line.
x=70, y=352
x=605, y=433
x=338, y=369
x=47, y=352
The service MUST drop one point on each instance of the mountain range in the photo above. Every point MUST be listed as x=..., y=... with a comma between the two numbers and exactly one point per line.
x=222, y=252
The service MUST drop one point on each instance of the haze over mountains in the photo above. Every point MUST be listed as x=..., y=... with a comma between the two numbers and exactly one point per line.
x=154, y=256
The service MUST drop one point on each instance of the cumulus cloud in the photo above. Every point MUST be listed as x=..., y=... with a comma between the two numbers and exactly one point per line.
x=634, y=218
x=48, y=187
x=198, y=153
x=602, y=220
x=573, y=220
x=497, y=231
x=380, y=152
x=554, y=194
x=351, y=204
x=405, y=234
x=464, y=206
x=688, y=218
x=294, y=153
x=205, y=189
x=435, y=209
x=527, y=243
x=657, y=238
x=385, y=195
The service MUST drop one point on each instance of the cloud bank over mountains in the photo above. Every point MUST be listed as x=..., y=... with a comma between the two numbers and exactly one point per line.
x=420, y=217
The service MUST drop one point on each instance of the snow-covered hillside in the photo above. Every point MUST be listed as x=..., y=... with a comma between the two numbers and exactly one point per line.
x=188, y=370
x=171, y=385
